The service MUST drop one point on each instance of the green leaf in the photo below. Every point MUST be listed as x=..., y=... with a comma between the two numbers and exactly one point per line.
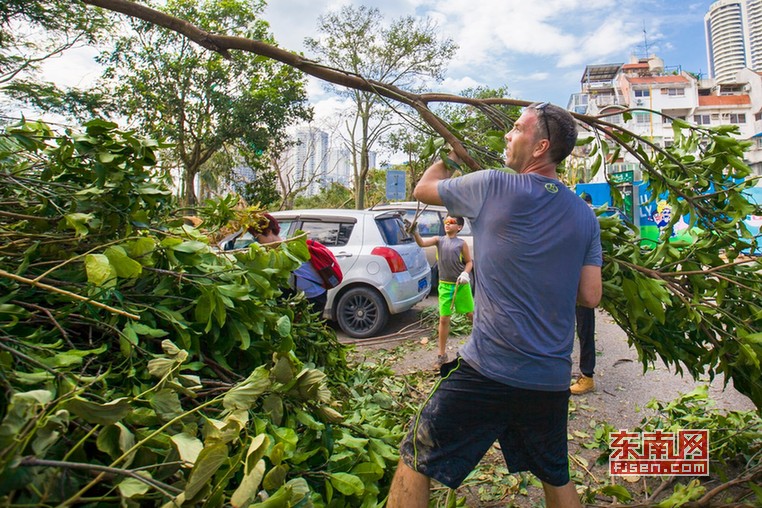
x=245, y=394
x=239, y=333
x=368, y=471
x=347, y=484
x=257, y=449
x=78, y=222
x=167, y=405
x=141, y=250
x=617, y=491
x=125, y=267
x=275, y=477
x=284, y=326
x=142, y=329
x=273, y=405
x=188, y=447
x=102, y=414
x=191, y=247
x=249, y=486
x=351, y=441
x=204, y=307
x=131, y=487
x=208, y=462
x=99, y=270
x=286, y=436
x=115, y=439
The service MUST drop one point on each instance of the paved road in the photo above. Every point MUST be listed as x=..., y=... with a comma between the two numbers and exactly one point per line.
x=396, y=322
x=622, y=388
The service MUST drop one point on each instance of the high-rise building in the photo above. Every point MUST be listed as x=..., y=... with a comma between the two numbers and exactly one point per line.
x=733, y=31
x=315, y=161
x=311, y=159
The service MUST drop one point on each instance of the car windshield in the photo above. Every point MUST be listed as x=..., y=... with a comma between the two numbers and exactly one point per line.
x=393, y=231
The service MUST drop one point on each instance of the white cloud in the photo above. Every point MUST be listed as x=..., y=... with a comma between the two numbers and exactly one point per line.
x=455, y=86
x=610, y=39
x=75, y=67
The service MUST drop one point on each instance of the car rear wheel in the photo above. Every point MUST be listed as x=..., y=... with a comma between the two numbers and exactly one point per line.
x=362, y=313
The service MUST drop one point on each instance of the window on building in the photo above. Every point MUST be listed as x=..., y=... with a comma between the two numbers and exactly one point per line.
x=642, y=93
x=701, y=119
x=642, y=118
x=617, y=119
x=758, y=117
x=673, y=92
x=737, y=117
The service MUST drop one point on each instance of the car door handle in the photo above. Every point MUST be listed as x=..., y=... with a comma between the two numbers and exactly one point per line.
x=343, y=254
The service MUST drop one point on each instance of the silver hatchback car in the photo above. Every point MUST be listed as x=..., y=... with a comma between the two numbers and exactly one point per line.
x=385, y=272
x=430, y=223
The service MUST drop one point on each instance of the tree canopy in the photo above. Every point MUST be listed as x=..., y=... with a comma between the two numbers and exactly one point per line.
x=202, y=101
x=408, y=54
x=32, y=31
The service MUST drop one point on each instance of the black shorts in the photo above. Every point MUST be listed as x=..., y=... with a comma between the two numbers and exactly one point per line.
x=466, y=412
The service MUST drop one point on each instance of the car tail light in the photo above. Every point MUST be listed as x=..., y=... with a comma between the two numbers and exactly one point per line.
x=396, y=263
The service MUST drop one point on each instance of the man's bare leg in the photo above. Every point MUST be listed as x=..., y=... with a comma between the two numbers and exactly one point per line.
x=410, y=489
x=561, y=497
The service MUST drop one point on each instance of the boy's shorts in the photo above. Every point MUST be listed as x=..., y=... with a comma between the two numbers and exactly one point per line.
x=467, y=412
x=464, y=300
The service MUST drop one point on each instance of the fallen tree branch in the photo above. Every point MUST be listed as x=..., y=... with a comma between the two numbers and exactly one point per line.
x=75, y=296
x=160, y=486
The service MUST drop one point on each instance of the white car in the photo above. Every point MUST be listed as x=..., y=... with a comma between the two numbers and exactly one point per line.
x=385, y=272
x=430, y=223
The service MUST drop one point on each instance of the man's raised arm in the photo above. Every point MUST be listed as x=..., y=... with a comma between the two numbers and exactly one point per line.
x=426, y=190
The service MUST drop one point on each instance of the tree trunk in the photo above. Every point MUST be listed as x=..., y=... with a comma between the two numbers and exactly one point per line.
x=189, y=197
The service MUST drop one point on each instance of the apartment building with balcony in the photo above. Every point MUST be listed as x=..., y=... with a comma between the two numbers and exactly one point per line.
x=654, y=95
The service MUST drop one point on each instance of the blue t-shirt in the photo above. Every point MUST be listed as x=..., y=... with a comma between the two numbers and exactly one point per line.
x=532, y=235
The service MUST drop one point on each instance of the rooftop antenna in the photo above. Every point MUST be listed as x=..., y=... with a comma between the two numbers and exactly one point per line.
x=646, y=46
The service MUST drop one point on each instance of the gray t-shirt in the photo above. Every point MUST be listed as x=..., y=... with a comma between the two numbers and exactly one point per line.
x=449, y=258
x=532, y=235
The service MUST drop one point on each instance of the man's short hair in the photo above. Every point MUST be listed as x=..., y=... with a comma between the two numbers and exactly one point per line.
x=562, y=129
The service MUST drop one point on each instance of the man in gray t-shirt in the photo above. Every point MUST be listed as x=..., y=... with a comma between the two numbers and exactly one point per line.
x=539, y=255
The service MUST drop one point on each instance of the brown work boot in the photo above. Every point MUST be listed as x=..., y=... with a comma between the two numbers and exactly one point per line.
x=584, y=384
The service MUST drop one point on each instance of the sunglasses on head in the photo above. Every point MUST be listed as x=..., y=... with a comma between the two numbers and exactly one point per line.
x=541, y=108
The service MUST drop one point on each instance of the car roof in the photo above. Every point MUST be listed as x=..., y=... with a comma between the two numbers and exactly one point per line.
x=341, y=213
x=408, y=204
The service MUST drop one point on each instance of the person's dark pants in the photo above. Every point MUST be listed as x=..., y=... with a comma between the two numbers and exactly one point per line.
x=318, y=302
x=586, y=334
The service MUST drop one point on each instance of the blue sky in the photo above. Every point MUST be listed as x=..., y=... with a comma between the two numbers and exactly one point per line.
x=537, y=48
